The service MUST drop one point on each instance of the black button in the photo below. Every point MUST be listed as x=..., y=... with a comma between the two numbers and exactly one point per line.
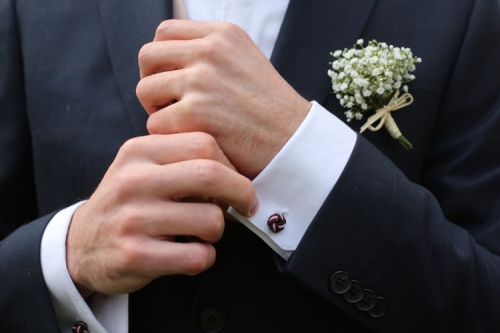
x=211, y=319
x=355, y=292
x=340, y=282
x=368, y=301
x=379, y=309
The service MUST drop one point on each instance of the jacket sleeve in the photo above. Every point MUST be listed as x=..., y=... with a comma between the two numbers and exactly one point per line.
x=430, y=250
x=24, y=301
x=25, y=304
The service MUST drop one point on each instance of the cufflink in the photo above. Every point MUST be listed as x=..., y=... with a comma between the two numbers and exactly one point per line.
x=276, y=222
x=80, y=327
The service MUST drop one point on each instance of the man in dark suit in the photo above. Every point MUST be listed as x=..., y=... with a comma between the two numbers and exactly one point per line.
x=415, y=233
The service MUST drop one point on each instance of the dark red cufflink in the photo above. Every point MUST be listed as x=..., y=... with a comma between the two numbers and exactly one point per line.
x=80, y=327
x=276, y=222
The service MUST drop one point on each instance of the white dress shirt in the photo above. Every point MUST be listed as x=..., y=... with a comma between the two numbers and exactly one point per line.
x=295, y=183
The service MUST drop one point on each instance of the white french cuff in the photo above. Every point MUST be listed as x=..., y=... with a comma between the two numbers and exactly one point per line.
x=300, y=177
x=109, y=314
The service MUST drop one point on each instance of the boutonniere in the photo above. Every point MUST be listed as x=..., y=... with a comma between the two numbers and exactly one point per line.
x=370, y=78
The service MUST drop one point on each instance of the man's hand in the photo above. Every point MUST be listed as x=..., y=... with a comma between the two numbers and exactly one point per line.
x=211, y=77
x=124, y=235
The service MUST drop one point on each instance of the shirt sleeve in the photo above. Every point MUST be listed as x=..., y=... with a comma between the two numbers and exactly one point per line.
x=102, y=313
x=290, y=184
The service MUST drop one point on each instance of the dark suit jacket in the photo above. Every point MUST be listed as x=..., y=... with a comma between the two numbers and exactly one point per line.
x=421, y=228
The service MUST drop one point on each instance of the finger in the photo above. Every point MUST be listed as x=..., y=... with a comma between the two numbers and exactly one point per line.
x=183, y=30
x=160, y=90
x=167, y=149
x=178, y=118
x=205, y=178
x=205, y=221
x=162, y=56
x=156, y=258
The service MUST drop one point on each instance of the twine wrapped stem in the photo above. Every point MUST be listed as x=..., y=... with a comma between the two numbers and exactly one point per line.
x=384, y=115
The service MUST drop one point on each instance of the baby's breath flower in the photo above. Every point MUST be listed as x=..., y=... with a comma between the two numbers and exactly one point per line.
x=349, y=54
x=349, y=115
x=366, y=78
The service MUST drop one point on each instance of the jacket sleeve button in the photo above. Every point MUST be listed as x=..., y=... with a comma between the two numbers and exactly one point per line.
x=379, y=309
x=340, y=282
x=368, y=301
x=355, y=292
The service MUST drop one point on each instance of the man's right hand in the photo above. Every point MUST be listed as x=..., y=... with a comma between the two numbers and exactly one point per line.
x=123, y=237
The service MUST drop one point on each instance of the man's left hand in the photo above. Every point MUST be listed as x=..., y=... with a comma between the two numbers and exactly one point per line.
x=211, y=77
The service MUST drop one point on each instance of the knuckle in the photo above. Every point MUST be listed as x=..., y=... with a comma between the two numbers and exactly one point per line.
x=129, y=255
x=206, y=172
x=214, y=223
x=129, y=147
x=205, y=145
x=164, y=29
x=204, y=74
x=153, y=124
x=231, y=30
x=126, y=148
x=229, y=27
x=145, y=54
x=143, y=90
x=201, y=257
x=127, y=221
x=207, y=47
x=128, y=182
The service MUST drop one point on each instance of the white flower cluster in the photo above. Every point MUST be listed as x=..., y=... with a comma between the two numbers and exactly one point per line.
x=365, y=78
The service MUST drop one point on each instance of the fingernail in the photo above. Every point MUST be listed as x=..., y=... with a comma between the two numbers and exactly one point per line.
x=255, y=207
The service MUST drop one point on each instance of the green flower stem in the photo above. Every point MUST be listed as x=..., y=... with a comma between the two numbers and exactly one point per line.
x=404, y=142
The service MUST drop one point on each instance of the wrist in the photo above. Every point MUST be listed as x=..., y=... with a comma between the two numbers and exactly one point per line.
x=72, y=264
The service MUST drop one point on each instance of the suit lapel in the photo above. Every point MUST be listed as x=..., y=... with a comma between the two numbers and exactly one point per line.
x=310, y=31
x=128, y=25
